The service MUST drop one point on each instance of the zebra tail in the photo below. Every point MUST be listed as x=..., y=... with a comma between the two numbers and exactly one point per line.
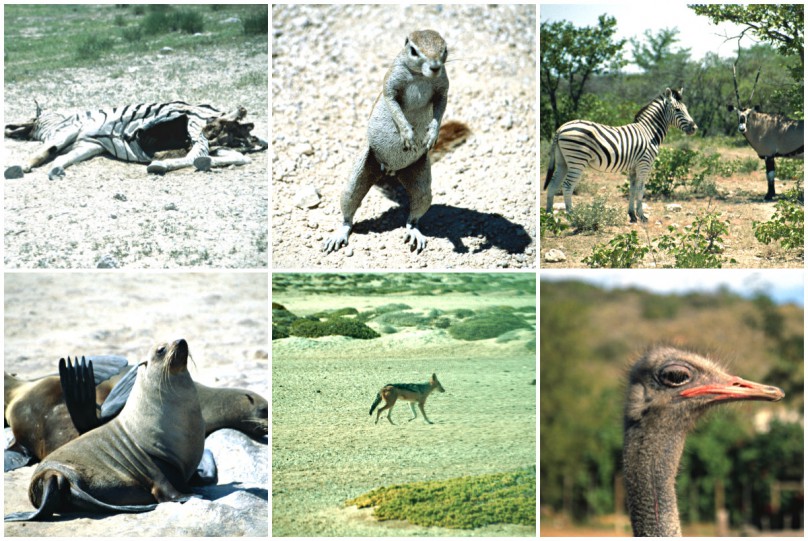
x=375, y=402
x=551, y=166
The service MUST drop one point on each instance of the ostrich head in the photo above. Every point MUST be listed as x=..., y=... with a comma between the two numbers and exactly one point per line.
x=668, y=391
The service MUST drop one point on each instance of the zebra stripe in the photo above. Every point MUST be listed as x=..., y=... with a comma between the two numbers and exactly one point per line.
x=132, y=133
x=581, y=144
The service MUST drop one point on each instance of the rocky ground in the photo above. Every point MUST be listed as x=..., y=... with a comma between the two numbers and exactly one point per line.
x=114, y=213
x=326, y=449
x=328, y=63
x=223, y=317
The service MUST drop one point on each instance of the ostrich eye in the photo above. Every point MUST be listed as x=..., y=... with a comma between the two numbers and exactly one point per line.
x=674, y=376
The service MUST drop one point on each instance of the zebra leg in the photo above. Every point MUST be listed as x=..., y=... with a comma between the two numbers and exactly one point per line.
x=417, y=180
x=568, y=186
x=81, y=151
x=770, y=179
x=46, y=152
x=221, y=157
x=632, y=195
x=558, y=177
x=639, y=191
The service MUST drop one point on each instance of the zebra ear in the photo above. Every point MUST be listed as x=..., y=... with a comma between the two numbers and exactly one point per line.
x=38, y=109
x=668, y=93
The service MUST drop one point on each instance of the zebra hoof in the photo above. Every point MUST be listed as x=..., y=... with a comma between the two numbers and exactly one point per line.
x=157, y=168
x=203, y=163
x=56, y=173
x=15, y=171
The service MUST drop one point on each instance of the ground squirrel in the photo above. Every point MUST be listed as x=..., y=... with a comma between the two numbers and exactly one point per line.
x=402, y=128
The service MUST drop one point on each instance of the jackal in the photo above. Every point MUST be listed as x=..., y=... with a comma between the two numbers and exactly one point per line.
x=411, y=392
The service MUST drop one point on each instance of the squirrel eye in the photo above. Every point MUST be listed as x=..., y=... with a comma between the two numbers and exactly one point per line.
x=413, y=52
x=675, y=376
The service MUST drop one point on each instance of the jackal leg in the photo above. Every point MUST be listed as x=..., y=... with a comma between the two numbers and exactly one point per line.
x=414, y=413
x=387, y=406
x=421, y=406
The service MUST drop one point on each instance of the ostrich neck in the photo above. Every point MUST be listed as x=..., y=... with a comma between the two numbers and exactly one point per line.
x=650, y=462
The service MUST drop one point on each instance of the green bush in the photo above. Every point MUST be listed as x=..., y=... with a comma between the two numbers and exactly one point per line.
x=549, y=222
x=790, y=169
x=699, y=245
x=595, y=216
x=489, y=324
x=308, y=328
x=257, y=23
x=461, y=503
x=162, y=21
x=403, y=319
x=92, y=47
x=279, y=331
x=622, y=252
x=671, y=170
x=394, y=307
x=462, y=313
x=787, y=225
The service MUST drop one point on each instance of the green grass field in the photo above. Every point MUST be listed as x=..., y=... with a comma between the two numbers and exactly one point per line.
x=463, y=503
x=39, y=38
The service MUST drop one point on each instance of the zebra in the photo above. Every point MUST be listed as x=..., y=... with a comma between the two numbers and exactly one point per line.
x=142, y=133
x=579, y=144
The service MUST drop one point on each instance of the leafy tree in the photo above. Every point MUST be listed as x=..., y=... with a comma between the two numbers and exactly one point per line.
x=780, y=25
x=656, y=57
x=571, y=56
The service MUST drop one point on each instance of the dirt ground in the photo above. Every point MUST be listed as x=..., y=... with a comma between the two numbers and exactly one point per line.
x=328, y=63
x=222, y=316
x=740, y=200
x=108, y=208
x=326, y=449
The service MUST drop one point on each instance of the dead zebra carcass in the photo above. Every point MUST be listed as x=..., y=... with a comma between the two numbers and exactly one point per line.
x=167, y=136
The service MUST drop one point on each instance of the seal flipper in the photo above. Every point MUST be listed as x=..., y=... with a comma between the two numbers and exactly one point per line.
x=50, y=503
x=78, y=389
x=119, y=394
x=15, y=455
x=106, y=366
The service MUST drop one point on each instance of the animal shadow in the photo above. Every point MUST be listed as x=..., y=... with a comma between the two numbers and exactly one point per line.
x=454, y=223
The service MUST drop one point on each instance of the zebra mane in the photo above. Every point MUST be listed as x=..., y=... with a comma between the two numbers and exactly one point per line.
x=660, y=98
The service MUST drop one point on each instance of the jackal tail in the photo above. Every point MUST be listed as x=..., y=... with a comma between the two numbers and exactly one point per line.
x=376, y=402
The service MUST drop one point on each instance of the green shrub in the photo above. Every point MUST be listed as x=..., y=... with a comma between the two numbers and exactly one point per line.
x=442, y=323
x=395, y=307
x=279, y=331
x=403, y=319
x=671, y=170
x=132, y=34
x=622, y=252
x=787, y=225
x=162, y=21
x=489, y=324
x=462, y=313
x=257, y=23
x=92, y=47
x=461, y=503
x=549, y=222
x=332, y=327
x=790, y=169
x=699, y=245
x=595, y=216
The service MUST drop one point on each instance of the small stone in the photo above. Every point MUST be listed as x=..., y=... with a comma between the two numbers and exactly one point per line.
x=170, y=206
x=555, y=256
x=673, y=207
x=308, y=197
x=107, y=262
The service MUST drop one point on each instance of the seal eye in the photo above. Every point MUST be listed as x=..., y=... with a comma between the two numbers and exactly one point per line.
x=675, y=376
x=161, y=350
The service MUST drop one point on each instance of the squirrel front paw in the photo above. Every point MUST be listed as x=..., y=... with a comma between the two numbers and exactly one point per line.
x=431, y=135
x=407, y=137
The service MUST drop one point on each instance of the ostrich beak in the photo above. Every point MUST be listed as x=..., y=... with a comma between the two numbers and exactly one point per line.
x=735, y=388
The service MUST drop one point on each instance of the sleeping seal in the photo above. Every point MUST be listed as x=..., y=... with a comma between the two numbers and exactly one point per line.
x=142, y=457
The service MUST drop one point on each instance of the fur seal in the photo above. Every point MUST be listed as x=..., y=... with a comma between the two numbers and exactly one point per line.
x=38, y=416
x=142, y=457
x=42, y=422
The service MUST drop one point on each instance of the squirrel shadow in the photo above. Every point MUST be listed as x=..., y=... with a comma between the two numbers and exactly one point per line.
x=454, y=223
